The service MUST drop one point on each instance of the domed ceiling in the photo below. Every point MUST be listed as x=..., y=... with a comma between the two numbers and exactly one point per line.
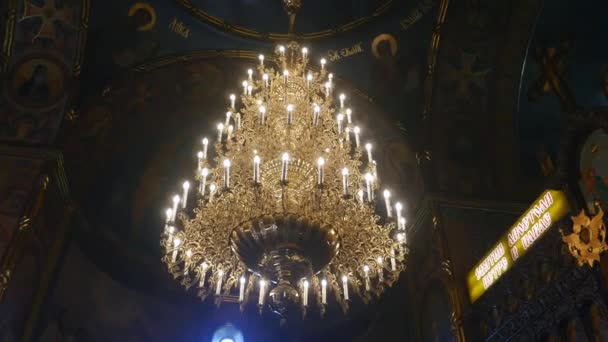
x=267, y=17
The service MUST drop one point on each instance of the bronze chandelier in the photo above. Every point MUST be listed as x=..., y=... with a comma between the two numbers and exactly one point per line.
x=287, y=218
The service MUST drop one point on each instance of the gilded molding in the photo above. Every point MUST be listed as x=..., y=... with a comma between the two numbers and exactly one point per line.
x=272, y=36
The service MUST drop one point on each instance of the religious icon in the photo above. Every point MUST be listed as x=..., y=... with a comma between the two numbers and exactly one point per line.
x=36, y=87
x=37, y=82
x=594, y=170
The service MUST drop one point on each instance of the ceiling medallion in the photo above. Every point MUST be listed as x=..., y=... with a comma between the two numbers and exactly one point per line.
x=284, y=215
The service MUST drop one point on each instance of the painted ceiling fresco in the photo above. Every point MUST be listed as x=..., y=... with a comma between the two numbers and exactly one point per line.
x=570, y=32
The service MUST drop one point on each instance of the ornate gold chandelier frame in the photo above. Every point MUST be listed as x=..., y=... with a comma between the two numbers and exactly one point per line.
x=288, y=215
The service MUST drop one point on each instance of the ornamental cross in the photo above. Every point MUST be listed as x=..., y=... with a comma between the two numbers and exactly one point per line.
x=48, y=14
x=467, y=75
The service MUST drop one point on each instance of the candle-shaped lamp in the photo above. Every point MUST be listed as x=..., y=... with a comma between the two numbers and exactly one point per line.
x=261, y=58
x=323, y=61
x=242, y=284
x=315, y=115
x=402, y=223
x=368, y=148
x=282, y=50
x=398, y=208
x=366, y=272
x=168, y=212
x=262, y=289
x=342, y=98
x=205, y=147
x=380, y=263
x=308, y=79
x=176, y=242
x=369, y=180
x=304, y=52
x=349, y=116
x=340, y=121
x=262, y=115
x=229, y=131
x=360, y=195
x=285, y=75
x=265, y=79
x=220, y=131
x=345, y=286
x=203, y=184
x=357, y=131
x=345, y=182
x=250, y=74
x=244, y=84
x=387, y=202
x=170, y=231
x=289, y=114
x=199, y=157
x=228, y=116
x=186, y=187
x=226, y=173
x=256, y=169
x=175, y=203
x=232, y=100
x=305, y=294
x=285, y=159
x=249, y=89
x=320, y=164
x=323, y=291
x=220, y=277
x=327, y=88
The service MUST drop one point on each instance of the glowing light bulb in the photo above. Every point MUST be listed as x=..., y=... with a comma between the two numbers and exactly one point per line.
x=261, y=58
x=387, y=202
x=368, y=147
x=175, y=203
x=323, y=61
x=357, y=130
x=232, y=100
x=320, y=163
x=205, y=146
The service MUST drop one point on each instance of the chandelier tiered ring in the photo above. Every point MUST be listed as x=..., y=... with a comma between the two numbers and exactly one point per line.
x=287, y=212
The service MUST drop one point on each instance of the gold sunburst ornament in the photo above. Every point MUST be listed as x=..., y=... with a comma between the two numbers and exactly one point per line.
x=287, y=218
x=588, y=238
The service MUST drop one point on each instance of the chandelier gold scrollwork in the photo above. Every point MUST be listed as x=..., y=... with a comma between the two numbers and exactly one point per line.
x=287, y=217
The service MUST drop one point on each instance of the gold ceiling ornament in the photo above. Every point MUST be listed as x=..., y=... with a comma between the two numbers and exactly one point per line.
x=588, y=238
x=284, y=213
